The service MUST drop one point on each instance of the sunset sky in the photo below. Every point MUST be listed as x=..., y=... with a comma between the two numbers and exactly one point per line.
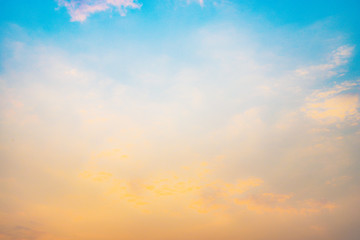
x=179, y=120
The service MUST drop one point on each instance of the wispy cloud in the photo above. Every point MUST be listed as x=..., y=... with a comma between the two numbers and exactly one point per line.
x=336, y=59
x=201, y=2
x=80, y=10
x=335, y=105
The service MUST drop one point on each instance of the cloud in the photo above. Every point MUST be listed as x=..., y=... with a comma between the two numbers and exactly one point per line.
x=201, y=2
x=98, y=177
x=337, y=58
x=80, y=10
x=20, y=232
x=164, y=144
x=201, y=193
x=279, y=203
x=337, y=104
x=338, y=181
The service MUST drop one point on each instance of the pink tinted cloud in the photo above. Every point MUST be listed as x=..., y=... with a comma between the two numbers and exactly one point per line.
x=79, y=10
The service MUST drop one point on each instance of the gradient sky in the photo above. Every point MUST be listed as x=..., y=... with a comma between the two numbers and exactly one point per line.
x=179, y=120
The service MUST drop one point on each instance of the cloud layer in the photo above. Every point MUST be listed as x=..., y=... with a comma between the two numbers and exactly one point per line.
x=212, y=139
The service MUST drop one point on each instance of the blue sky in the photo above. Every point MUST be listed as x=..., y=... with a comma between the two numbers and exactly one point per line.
x=45, y=19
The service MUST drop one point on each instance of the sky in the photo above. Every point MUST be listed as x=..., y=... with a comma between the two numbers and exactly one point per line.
x=179, y=120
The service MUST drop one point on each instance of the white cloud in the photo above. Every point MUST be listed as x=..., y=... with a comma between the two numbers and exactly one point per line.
x=80, y=10
x=337, y=58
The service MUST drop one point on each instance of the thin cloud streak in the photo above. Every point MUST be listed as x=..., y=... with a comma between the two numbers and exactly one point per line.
x=80, y=10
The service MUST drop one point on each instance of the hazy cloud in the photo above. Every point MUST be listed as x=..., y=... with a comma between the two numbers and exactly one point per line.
x=180, y=147
x=336, y=104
